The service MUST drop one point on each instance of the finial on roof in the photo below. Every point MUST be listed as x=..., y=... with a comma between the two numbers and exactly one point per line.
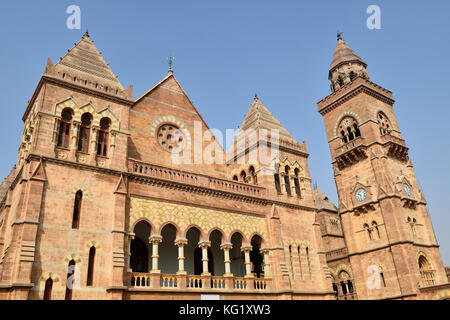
x=256, y=96
x=339, y=35
x=170, y=59
x=86, y=34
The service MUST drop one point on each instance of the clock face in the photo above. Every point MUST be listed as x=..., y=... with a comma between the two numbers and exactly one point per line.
x=407, y=189
x=360, y=195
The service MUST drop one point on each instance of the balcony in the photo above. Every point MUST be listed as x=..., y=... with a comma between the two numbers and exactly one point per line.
x=194, y=179
x=173, y=282
x=350, y=153
x=396, y=147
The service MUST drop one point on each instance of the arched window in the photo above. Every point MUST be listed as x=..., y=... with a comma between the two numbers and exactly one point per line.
x=85, y=129
x=90, y=272
x=77, y=210
x=300, y=261
x=384, y=123
x=296, y=182
x=256, y=258
x=290, y=260
x=335, y=289
x=349, y=129
x=287, y=182
x=369, y=231
x=375, y=228
x=340, y=81
x=64, y=128
x=276, y=178
x=243, y=176
x=426, y=272
x=308, y=259
x=70, y=279
x=48, y=289
x=102, y=143
x=235, y=178
x=352, y=75
x=252, y=173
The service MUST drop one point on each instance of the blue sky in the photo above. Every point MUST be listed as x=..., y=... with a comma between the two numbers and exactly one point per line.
x=226, y=51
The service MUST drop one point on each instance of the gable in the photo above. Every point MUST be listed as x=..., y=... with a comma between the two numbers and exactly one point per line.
x=167, y=103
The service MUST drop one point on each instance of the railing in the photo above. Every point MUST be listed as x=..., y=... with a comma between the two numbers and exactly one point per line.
x=387, y=137
x=239, y=283
x=349, y=146
x=218, y=283
x=176, y=282
x=156, y=171
x=168, y=281
x=260, y=284
x=140, y=279
x=194, y=282
x=428, y=277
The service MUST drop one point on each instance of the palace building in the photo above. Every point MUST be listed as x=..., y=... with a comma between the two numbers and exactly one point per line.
x=96, y=208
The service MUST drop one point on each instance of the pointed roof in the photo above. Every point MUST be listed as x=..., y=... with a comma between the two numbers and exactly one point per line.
x=259, y=117
x=86, y=62
x=343, y=54
x=322, y=202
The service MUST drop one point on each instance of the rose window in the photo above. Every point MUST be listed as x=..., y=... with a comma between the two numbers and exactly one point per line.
x=171, y=138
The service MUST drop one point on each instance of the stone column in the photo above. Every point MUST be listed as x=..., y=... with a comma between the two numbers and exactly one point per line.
x=204, y=245
x=248, y=270
x=74, y=140
x=226, y=247
x=93, y=146
x=155, y=240
x=180, y=243
x=265, y=252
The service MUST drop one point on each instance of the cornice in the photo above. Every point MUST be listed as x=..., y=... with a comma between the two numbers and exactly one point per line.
x=57, y=81
x=351, y=90
x=170, y=184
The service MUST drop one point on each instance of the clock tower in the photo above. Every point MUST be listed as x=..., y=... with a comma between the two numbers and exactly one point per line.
x=390, y=241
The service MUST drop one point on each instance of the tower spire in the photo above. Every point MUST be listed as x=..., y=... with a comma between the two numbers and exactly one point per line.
x=345, y=66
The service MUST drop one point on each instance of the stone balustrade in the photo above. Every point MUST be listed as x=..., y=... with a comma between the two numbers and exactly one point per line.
x=348, y=146
x=195, y=179
x=175, y=282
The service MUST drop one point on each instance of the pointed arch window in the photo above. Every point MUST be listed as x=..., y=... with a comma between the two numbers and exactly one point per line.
x=349, y=129
x=290, y=260
x=383, y=123
x=70, y=279
x=426, y=271
x=48, y=289
x=103, y=137
x=375, y=229
x=85, y=129
x=77, y=210
x=308, y=259
x=287, y=182
x=276, y=178
x=369, y=231
x=64, y=128
x=352, y=76
x=90, y=272
x=297, y=182
x=252, y=173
